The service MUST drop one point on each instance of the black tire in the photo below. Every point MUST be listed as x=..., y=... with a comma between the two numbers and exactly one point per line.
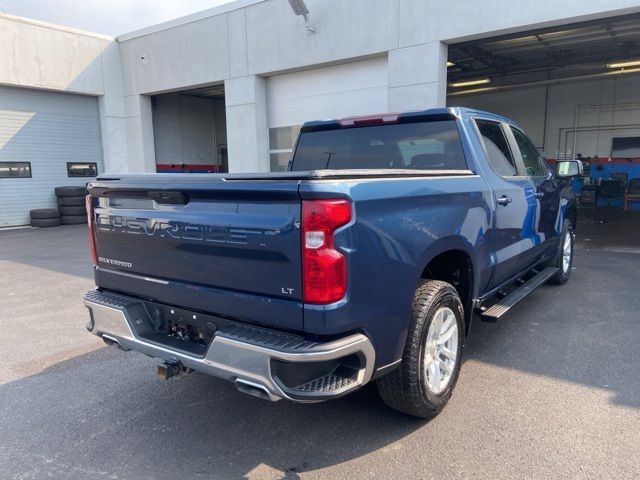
x=66, y=211
x=406, y=388
x=45, y=222
x=73, y=219
x=564, y=273
x=44, y=213
x=71, y=201
x=70, y=191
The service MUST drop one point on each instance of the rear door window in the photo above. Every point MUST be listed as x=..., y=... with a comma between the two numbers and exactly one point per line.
x=421, y=146
x=497, y=148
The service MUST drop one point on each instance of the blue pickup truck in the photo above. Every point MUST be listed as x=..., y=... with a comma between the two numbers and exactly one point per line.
x=366, y=260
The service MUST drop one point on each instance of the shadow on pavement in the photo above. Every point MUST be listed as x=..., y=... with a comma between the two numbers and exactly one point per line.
x=105, y=411
x=586, y=331
x=62, y=249
x=103, y=414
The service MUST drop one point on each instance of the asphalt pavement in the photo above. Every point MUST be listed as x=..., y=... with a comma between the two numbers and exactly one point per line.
x=551, y=391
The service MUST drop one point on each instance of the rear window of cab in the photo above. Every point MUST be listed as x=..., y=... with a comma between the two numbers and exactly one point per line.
x=431, y=145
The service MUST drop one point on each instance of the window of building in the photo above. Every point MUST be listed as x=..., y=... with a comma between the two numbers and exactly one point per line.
x=78, y=169
x=281, y=142
x=15, y=169
x=625, y=147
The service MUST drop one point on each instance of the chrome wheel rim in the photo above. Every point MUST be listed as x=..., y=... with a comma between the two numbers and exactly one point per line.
x=441, y=350
x=566, y=252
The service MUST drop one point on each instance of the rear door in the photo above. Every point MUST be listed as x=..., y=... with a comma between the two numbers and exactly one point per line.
x=225, y=247
x=513, y=234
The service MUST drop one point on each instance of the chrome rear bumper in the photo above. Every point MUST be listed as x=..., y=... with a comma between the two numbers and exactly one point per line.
x=242, y=354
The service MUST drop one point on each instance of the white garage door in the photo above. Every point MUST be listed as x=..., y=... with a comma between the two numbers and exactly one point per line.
x=47, y=135
x=356, y=88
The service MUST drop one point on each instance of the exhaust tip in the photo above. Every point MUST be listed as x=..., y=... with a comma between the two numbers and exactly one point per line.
x=254, y=389
x=110, y=340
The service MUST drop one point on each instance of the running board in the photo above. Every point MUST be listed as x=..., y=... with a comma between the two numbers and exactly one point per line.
x=498, y=310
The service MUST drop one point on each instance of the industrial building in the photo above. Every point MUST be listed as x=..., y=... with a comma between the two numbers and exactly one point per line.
x=227, y=89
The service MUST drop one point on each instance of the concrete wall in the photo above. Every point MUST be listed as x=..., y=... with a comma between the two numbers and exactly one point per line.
x=546, y=111
x=40, y=55
x=242, y=42
x=247, y=41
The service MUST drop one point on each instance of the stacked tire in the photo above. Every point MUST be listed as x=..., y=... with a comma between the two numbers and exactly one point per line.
x=45, y=217
x=71, y=205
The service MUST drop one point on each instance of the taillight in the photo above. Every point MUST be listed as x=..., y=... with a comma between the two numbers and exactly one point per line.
x=324, y=269
x=92, y=235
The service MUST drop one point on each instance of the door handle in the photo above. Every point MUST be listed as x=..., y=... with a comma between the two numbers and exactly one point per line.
x=504, y=200
x=538, y=194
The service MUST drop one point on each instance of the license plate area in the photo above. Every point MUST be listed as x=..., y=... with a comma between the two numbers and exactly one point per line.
x=177, y=328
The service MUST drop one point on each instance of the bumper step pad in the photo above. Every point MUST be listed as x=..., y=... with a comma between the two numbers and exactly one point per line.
x=240, y=332
x=109, y=299
x=332, y=382
x=267, y=338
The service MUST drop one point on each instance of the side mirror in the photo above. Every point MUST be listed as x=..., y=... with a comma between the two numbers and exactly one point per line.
x=568, y=168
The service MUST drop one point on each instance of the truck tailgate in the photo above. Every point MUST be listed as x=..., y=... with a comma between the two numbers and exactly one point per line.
x=230, y=248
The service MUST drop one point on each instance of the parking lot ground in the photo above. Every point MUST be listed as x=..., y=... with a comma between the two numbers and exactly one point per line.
x=552, y=391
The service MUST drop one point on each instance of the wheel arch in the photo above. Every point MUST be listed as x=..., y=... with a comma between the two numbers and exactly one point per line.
x=568, y=207
x=451, y=260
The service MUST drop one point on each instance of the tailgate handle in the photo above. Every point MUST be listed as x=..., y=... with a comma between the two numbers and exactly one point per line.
x=171, y=198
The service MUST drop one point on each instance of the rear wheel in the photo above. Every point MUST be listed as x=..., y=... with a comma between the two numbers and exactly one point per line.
x=422, y=384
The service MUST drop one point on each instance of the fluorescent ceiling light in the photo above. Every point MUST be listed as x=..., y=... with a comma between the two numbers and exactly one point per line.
x=473, y=90
x=469, y=83
x=450, y=64
x=622, y=71
x=629, y=63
